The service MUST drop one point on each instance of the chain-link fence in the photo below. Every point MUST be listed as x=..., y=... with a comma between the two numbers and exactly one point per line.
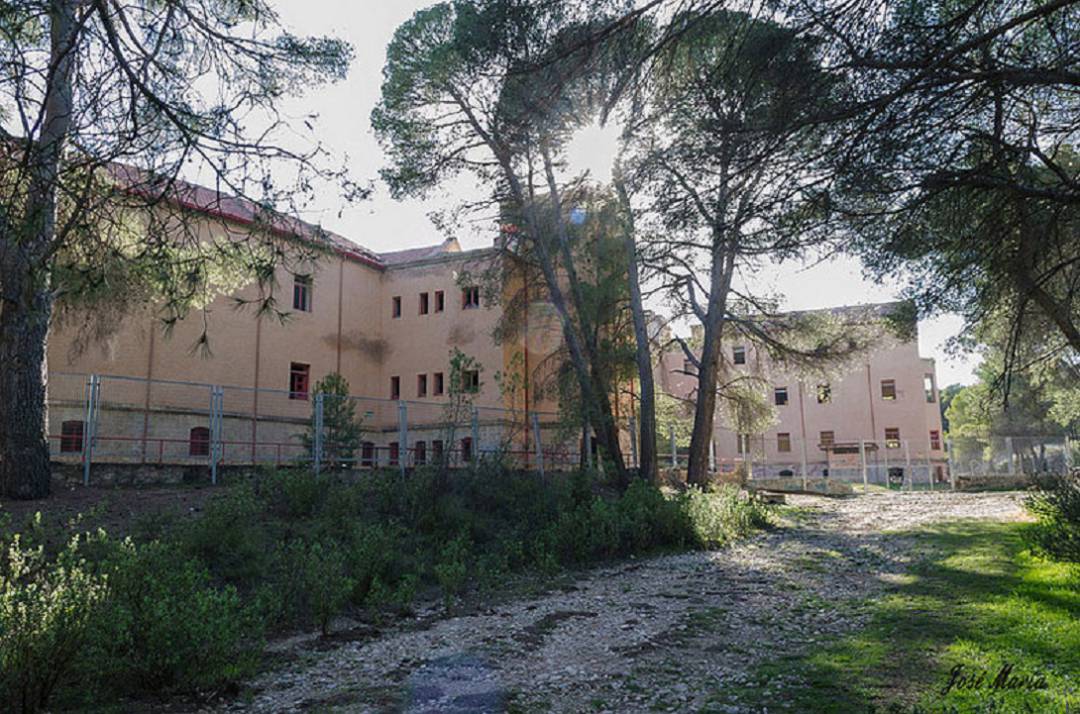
x=990, y=457
x=106, y=419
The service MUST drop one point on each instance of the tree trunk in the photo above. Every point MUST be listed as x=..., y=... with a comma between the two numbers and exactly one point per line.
x=649, y=466
x=697, y=469
x=24, y=446
x=26, y=249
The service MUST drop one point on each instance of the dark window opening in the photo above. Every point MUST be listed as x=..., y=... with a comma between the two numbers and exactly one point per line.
x=470, y=297
x=935, y=440
x=395, y=453
x=199, y=441
x=299, y=380
x=440, y=301
x=783, y=442
x=928, y=387
x=423, y=303
x=892, y=438
x=395, y=387
x=437, y=450
x=421, y=385
x=438, y=386
x=395, y=307
x=780, y=396
x=71, y=437
x=420, y=453
x=367, y=454
x=826, y=439
x=888, y=389
x=466, y=449
x=470, y=379
x=738, y=354
x=301, y=296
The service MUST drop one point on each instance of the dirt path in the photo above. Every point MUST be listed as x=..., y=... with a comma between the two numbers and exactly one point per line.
x=659, y=634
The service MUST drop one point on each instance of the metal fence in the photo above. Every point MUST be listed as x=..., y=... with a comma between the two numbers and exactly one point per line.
x=998, y=456
x=99, y=419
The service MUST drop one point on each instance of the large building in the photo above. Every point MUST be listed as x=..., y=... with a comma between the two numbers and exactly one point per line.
x=389, y=323
x=880, y=410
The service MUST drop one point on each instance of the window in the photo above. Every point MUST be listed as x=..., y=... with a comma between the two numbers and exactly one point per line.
x=71, y=437
x=440, y=301
x=738, y=354
x=470, y=380
x=437, y=388
x=466, y=449
x=780, y=396
x=437, y=450
x=424, y=303
x=199, y=441
x=395, y=387
x=783, y=442
x=888, y=389
x=928, y=387
x=419, y=453
x=892, y=438
x=421, y=385
x=395, y=453
x=826, y=440
x=824, y=393
x=301, y=293
x=395, y=307
x=470, y=297
x=367, y=454
x=299, y=379
x=935, y=440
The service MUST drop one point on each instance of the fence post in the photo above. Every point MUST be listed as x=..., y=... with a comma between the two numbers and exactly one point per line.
x=217, y=400
x=929, y=470
x=674, y=452
x=885, y=452
x=908, y=476
x=536, y=443
x=948, y=458
x=712, y=455
x=93, y=390
x=317, y=442
x=862, y=457
x=805, y=476
x=633, y=443
x=475, y=430
x=403, y=435
x=1009, y=452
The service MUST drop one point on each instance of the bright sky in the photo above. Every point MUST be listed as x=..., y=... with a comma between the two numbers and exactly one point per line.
x=384, y=224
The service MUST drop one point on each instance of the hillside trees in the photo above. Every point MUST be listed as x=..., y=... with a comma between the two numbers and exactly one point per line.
x=102, y=106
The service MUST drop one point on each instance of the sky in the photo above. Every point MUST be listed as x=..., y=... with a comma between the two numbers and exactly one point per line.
x=383, y=224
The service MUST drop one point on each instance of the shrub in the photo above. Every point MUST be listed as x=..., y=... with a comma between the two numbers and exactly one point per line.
x=229, y=537
x=314, y=584
x=294, y=493
x=724, y=515
x=1056, y=507
x=46, y=609
x=451, y=568
x=165, y=626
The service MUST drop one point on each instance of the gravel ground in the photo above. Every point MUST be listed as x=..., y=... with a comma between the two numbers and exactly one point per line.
x=661, y=634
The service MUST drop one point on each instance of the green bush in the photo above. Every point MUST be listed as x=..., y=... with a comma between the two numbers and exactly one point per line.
x=47, y=607
x=164, y=625
x=721, y=516
x=229, y=537
x=1056, y=507
x=313, y=581
x=452, y=568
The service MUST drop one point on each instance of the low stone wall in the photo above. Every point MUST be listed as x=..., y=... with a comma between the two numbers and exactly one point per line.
x=147, y=474
x=1017, y=482
x=823, y=486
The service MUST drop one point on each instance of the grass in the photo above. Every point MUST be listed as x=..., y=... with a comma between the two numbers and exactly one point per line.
x=979, y=601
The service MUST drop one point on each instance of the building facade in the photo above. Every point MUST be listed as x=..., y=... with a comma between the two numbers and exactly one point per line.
x=881, y=410
x=389, y=324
